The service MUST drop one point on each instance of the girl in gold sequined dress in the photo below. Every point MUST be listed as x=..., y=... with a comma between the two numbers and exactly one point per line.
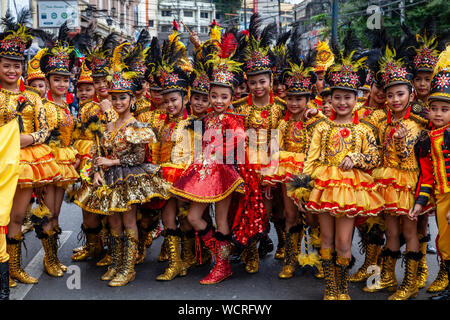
x=119, y=177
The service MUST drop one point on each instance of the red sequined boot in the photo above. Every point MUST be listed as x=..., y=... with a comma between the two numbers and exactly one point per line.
x=220, y=246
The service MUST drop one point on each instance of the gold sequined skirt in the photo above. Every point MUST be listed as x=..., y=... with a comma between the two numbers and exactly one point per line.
x=125, y=186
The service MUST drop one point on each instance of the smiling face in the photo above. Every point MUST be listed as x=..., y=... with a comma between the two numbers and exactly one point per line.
x=259, y=85
x=175, y=103
x=199, y=103
x=40, y=85
x=320, y=81
x=422, y=84
x=121, y=102
x=296, y=103
x=10, y=71
x=326, y=106
x=343, y=102
x=377, y=94
x=101, y=87
x=157, y=98
x=58, y=84
x=85, y=91
x=439, y=113
x=240, y=90
x=397, y=97
x=280, y=90
x=220, y=98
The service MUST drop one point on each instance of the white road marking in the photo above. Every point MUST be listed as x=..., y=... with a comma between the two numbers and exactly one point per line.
x=35, y=269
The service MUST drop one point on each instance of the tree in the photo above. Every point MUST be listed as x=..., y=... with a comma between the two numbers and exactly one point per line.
x=416, y=13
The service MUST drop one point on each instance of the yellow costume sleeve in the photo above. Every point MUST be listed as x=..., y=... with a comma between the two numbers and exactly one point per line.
x=369, y=157
x=40, y=123
x=405, y=146
x=9, y=169
x=313, y=153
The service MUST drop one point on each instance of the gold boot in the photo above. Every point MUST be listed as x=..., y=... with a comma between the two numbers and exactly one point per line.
x=164, y=253
x=50, y=264
x=291, y=252
x=144, y=231
x=250, y=257
x=55, y=239
x=422, y=270
x=116, y=244
x=12, y=283
x=127, y=273
x=14, y=249
x=329, y=270
x=176, y=266
x=92, y=248
x=441, y=282
x=342, y=277
x=105, y=236
x=281, y=235
x=371, y=258
x=187, y=249
x=387, y=279
x=408, y=288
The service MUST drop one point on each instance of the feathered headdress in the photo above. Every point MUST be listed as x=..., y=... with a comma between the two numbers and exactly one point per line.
x=199, y=79
x=121, y=75
x=170, y=69
x=440, y=83
x=258, y=56
x=394, y=69
x=16, y=36
x=324, y=57
x=348, y=71
x=85, y=75
x=153, y=58
x=97, y=60
x=141, y=49
x=34, y=67
x=299, y=77
x=215, y=31
x=280, y=55
x=224, y=67
x=60, y=57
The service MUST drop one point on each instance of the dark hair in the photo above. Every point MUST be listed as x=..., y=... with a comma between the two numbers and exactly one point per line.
x=352, y=91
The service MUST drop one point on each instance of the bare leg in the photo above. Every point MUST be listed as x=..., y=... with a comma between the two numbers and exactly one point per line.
x=169, y=214
x=410, y=232
x=21, y=200
x=344, y=233
x=195, y=216
x=291, y=210
x=222, y=215
x=392, y=232
x=326, y=222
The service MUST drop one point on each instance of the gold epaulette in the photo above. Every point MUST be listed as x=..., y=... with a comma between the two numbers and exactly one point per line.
x=33, y=89
x=279, y=101
x=418, y=119
x=314, y=121
x=240, y=102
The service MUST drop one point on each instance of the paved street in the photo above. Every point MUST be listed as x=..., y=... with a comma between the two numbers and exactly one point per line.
x=264, y=285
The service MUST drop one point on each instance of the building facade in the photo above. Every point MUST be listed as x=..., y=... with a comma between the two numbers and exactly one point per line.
x=197, y=15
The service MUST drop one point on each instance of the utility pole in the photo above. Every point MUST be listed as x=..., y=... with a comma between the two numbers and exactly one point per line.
x=334, y=21
x=402, y=11
x=279, y=15
x=245, y=14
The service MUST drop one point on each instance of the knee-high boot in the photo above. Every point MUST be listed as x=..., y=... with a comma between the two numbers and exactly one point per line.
x=176, y=266
x=408, y=288
x=14, y=249
x=126, y=272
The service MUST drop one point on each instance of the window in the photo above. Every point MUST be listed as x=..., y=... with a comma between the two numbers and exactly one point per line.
x=204, y=29
x=204, y=15
x=150, y=23
x=166, y=13
x=188, y=13
x=218, y=16
x=166, y=28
